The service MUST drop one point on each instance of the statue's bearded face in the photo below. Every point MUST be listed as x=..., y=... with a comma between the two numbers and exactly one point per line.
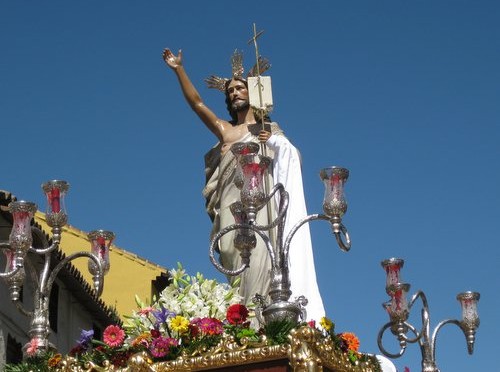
x=237, y=93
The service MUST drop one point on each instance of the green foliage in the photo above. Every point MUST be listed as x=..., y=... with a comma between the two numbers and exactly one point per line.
x=277, y=331
x=202, y=344
x=241, y=331
x=248, y=333
x=37, y=363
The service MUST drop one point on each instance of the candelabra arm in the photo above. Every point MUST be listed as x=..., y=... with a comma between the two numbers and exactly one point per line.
x=345, y=241
x=279, y=221
x=282, y=211
x=44, y=276
x=244, y=265
x=425, y=341
x=8, y=274
x=21, y=309
x=383, y=349
x=405, y=338
x=56, y=239
x=283, y=207
x=398, y=329
x=401, y=335
x=298, y=225
x=425, y=331
x=419, y=294
x=54, y=246
x=98, y=279
x=218, y=266
x=46, y=251
x=468, y=333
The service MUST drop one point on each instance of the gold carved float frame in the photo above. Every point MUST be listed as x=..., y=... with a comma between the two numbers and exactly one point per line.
x=308, y=351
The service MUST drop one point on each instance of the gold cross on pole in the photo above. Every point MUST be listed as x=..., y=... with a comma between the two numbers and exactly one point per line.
x=257, y=65
x=254, y=40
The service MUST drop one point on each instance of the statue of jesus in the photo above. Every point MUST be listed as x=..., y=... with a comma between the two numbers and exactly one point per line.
x=220, y=191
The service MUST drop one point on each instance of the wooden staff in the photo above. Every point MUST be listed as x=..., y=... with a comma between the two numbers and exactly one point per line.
x=261, y=111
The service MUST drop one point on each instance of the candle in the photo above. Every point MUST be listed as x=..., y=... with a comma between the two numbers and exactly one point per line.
x=101, y=242
x=253, y=174
x=392, y=268
x=55, y=200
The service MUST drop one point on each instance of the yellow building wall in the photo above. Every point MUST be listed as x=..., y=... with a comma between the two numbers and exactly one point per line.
x=129, y=275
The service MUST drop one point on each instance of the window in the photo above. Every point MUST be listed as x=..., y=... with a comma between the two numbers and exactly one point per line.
x=14, y=350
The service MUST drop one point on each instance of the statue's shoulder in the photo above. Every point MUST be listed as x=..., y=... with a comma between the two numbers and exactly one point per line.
x=275, y=128
x=213, y=155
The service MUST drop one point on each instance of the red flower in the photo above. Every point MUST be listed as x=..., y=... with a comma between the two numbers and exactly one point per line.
x=236, y=314
x=155, y=333
x=78, y=349
x=120, y=359
x=113, y=336
x=194, y=330
x=312, y=323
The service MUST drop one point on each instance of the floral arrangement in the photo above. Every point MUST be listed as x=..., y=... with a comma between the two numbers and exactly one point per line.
x=347, y=341
x=191, y=316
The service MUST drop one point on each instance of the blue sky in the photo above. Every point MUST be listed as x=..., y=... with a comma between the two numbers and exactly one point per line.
x=404, y=94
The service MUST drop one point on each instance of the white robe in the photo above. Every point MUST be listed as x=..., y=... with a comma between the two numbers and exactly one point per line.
x=287, y=171
x=219, y=194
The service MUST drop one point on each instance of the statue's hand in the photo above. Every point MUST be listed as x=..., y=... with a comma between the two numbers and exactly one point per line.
x=172, y=60
x=264, y=135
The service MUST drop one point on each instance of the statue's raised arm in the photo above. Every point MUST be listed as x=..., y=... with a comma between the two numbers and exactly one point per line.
x=216, y=125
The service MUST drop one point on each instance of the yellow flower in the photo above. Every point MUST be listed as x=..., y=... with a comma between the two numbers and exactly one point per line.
x=179, y=324
x=326, y=323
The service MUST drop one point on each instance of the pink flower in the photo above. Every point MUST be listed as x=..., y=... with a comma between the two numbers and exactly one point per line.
x=407, y=369
x=113, y=336
x=32, y=347
x=205, y=327
x=211, y=326
x=145, y=311
x=160, y=346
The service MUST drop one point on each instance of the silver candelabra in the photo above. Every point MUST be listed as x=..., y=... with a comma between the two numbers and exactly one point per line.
x=249, y=179
x=399, y=310
x=18, y=261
